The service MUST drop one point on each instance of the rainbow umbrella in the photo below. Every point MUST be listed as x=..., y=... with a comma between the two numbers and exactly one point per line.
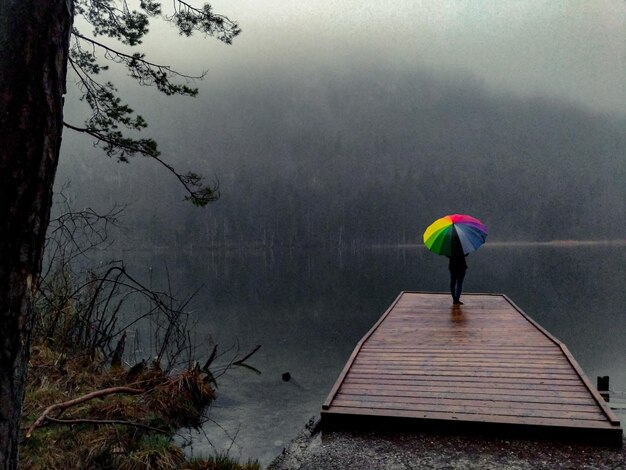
x=455, y=234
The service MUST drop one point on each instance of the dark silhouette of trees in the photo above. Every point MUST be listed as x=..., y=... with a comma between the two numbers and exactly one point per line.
x=40, y=43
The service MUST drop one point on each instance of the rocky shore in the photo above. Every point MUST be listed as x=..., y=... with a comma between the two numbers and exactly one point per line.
x=314, y=450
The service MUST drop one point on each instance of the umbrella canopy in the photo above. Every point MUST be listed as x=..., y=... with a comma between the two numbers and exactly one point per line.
x=455, y=234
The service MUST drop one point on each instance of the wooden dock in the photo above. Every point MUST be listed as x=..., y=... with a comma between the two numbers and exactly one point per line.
x=482, y=366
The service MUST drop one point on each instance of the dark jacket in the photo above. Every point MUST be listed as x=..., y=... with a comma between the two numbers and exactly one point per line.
x=457, y=263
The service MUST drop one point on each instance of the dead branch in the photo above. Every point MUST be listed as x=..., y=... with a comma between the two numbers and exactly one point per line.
x=247, y=356
x=76, y=401
x=102, y=422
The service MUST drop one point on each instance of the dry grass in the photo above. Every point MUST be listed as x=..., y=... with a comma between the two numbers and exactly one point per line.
x=168, y=404
x=220, y=462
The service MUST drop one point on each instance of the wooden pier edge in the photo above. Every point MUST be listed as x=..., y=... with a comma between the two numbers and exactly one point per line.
x=346, y=422
x=594, y=393
x=334, y=417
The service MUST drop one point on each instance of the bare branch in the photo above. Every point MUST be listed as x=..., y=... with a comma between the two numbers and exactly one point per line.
x=247, y=356
x=76, y=401
x=104, y=422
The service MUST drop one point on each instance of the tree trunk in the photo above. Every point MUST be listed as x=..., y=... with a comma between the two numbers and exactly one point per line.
x=34, y=43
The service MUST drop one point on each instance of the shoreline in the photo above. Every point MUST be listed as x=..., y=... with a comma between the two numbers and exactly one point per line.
x=523, y=243
x=312, y=449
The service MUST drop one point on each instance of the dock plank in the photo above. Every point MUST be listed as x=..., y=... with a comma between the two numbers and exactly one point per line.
x=485, y=363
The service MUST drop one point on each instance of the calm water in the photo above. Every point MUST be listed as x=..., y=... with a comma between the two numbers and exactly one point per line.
x=308, y=309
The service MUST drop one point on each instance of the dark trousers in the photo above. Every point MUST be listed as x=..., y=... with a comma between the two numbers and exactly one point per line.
x=456, y=283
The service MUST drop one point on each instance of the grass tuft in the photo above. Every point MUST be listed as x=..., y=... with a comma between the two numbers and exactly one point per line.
x=220, y=462
x=168, y=404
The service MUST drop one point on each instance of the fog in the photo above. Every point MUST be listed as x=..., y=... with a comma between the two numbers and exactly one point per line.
x=360, y=122
x=568, y=49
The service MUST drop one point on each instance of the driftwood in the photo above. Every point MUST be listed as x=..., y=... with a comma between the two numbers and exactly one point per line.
x=101, y=422
x=76, y=401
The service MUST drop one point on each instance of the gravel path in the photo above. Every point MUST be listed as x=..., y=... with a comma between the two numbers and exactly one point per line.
x=406, y=450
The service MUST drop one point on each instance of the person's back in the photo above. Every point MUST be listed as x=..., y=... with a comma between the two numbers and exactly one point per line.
x=457, y=263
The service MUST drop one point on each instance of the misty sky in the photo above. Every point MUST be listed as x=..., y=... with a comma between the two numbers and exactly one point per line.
x=569, y=49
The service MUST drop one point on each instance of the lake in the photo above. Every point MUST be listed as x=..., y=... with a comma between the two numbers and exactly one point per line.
x=308, y=309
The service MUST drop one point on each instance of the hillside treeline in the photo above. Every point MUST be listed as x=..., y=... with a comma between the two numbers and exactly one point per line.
x=366, y=158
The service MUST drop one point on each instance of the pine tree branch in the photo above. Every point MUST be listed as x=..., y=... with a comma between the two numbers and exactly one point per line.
x=128, y=144
x=199, y=194
x=189, y=19
x=116, y=20
x=121, y=57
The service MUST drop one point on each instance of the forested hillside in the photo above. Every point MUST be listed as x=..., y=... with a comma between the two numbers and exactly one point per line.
x=366, y=156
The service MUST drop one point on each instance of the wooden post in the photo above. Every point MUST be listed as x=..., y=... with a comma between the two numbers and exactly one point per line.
x=603, y=387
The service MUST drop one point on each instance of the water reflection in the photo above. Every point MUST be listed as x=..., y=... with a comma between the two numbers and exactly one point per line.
x=456, y=314
x=308, y=309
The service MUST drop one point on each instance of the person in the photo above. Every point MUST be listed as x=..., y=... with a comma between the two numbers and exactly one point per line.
x=457, y=267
